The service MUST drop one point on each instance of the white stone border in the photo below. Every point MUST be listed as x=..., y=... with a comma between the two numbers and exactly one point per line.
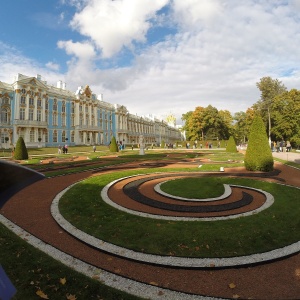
x=171, y=260
x=104, y=195
x=112, y=280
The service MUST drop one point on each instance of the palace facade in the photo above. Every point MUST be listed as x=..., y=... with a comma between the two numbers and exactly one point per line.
x=47, y=116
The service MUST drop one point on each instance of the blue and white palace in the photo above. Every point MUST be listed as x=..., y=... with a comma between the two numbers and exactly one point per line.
x=47, y=116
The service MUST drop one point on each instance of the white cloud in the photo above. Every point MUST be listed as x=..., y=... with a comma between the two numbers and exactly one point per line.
x=82, y=50
x=13, y=62
x=52, y=66
x=190, y=12
x=216, y=56
x=112, y=25
x=218, y=64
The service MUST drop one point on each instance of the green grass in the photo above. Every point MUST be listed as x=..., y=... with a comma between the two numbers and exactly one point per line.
x=273, y=228
x=31, y=270
x=197, y=188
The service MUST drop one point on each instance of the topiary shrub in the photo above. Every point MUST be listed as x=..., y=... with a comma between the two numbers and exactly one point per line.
x=231, y=146
x=163, y=144
x=258, y=155
x=113, y=147
x=21, y=150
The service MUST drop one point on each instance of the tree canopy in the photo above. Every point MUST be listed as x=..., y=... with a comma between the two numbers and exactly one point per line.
x=208, y=123
x=278, y=107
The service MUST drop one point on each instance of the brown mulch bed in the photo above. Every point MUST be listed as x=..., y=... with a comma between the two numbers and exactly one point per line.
x=30, y=209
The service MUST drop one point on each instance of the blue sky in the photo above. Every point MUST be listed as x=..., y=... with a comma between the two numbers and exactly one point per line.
x=155, y=56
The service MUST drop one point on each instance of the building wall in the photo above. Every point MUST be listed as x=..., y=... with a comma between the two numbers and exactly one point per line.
x=46, y=116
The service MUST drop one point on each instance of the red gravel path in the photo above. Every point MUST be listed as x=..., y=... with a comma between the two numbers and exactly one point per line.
x=30, y=209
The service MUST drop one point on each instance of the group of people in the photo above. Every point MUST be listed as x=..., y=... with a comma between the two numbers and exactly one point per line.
x=281, y=146
x=121, y=145
x=63, y=148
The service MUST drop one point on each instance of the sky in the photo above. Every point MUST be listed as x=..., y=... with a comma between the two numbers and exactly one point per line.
x=157, y=57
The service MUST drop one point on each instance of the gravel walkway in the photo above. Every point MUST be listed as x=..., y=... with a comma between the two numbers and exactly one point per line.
x=278, y=279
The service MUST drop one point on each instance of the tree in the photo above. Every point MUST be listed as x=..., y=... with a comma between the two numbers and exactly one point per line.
x=270, y=88
x=186, y=119
x=196, y=124
x=286, y=117
x=209, y=123
x=227, y=119
x=243, y=124
x=113, y=147
x=21, y=150
x=258, y=155
x=231, y=145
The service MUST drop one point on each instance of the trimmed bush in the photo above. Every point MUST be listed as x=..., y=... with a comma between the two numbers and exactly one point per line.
x=258, y=155
x=21, y=150
x=231, y=145
x=163, y=144
x=113, y=147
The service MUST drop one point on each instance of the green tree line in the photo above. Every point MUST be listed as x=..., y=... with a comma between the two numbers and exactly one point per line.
x=278, y=107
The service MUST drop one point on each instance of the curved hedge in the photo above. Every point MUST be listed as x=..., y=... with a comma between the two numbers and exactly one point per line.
x=258, y=155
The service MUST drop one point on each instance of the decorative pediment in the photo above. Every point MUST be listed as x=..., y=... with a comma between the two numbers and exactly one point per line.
x=87, y=91
x=33, y=82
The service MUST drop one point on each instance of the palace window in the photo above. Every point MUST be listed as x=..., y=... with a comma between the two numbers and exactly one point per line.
x=54, y=136
x=39, y=102
x=5, y=101
x=22, y=133
x=73, y=108
x=31, y=101
x=73, y=121
x=5, y=115
x=39, y=115
x=22, y=113
x=72, y=137
x=23, y=99
x=3, y=136
x=30, y=116
x=63, y=120
x=46, y=116
x=47, y=104
x=31, y=136
x=54, y=119
x=63, y=136
x=23, y=91
x=40, y=134
x=63, y=108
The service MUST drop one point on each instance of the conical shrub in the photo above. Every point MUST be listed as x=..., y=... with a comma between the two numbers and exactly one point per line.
x=258, y=155
x=21, y=150
x=113, y=147
x=231, y=145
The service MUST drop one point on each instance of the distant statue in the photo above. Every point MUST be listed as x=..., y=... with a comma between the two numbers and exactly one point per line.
x=142, y=144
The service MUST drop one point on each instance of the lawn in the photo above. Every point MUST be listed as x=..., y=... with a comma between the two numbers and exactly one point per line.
x=273, y=228
x=31, y=270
